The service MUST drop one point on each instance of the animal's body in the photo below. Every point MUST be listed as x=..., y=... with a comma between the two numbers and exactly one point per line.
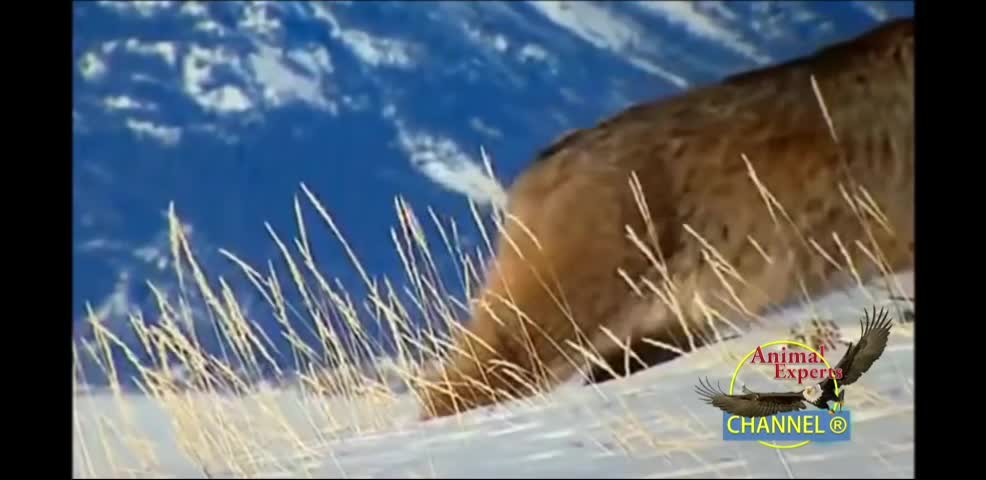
x=564, y=256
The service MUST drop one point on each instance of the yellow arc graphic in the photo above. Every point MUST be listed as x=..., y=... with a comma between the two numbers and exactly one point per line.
x=732, y=382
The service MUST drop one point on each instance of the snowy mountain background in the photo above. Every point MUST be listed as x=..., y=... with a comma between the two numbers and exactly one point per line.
x=225, y=108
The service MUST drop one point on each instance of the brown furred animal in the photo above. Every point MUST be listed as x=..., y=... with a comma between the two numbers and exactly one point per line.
x=695, y=157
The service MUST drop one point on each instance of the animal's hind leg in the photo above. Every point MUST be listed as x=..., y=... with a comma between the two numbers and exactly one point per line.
x=722, y=301
x=646, y=350
x=619, y=362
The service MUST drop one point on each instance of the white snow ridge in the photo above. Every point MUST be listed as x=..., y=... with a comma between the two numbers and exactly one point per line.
x=281, y=84
x=197, y=75
x=124, y=102
x=92, y=67
x=371, y=50
x=687, y=14
x=168, y=136
x=375, y=51
x=165, y=50
x=606, y=30
x=143, y=8
x=441, y=160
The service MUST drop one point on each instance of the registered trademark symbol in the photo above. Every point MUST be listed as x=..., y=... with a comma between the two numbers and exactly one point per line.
x=838, y=425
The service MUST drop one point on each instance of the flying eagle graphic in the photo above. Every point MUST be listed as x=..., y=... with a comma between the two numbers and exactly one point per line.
x=859, y=357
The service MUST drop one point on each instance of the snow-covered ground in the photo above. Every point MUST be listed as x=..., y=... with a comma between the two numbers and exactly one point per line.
x=647, y=426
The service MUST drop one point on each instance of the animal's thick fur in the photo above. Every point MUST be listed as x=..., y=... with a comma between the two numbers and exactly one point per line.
x=564, y=255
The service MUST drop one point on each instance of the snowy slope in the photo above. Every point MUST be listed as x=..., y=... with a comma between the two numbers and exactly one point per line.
x=650, y=425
